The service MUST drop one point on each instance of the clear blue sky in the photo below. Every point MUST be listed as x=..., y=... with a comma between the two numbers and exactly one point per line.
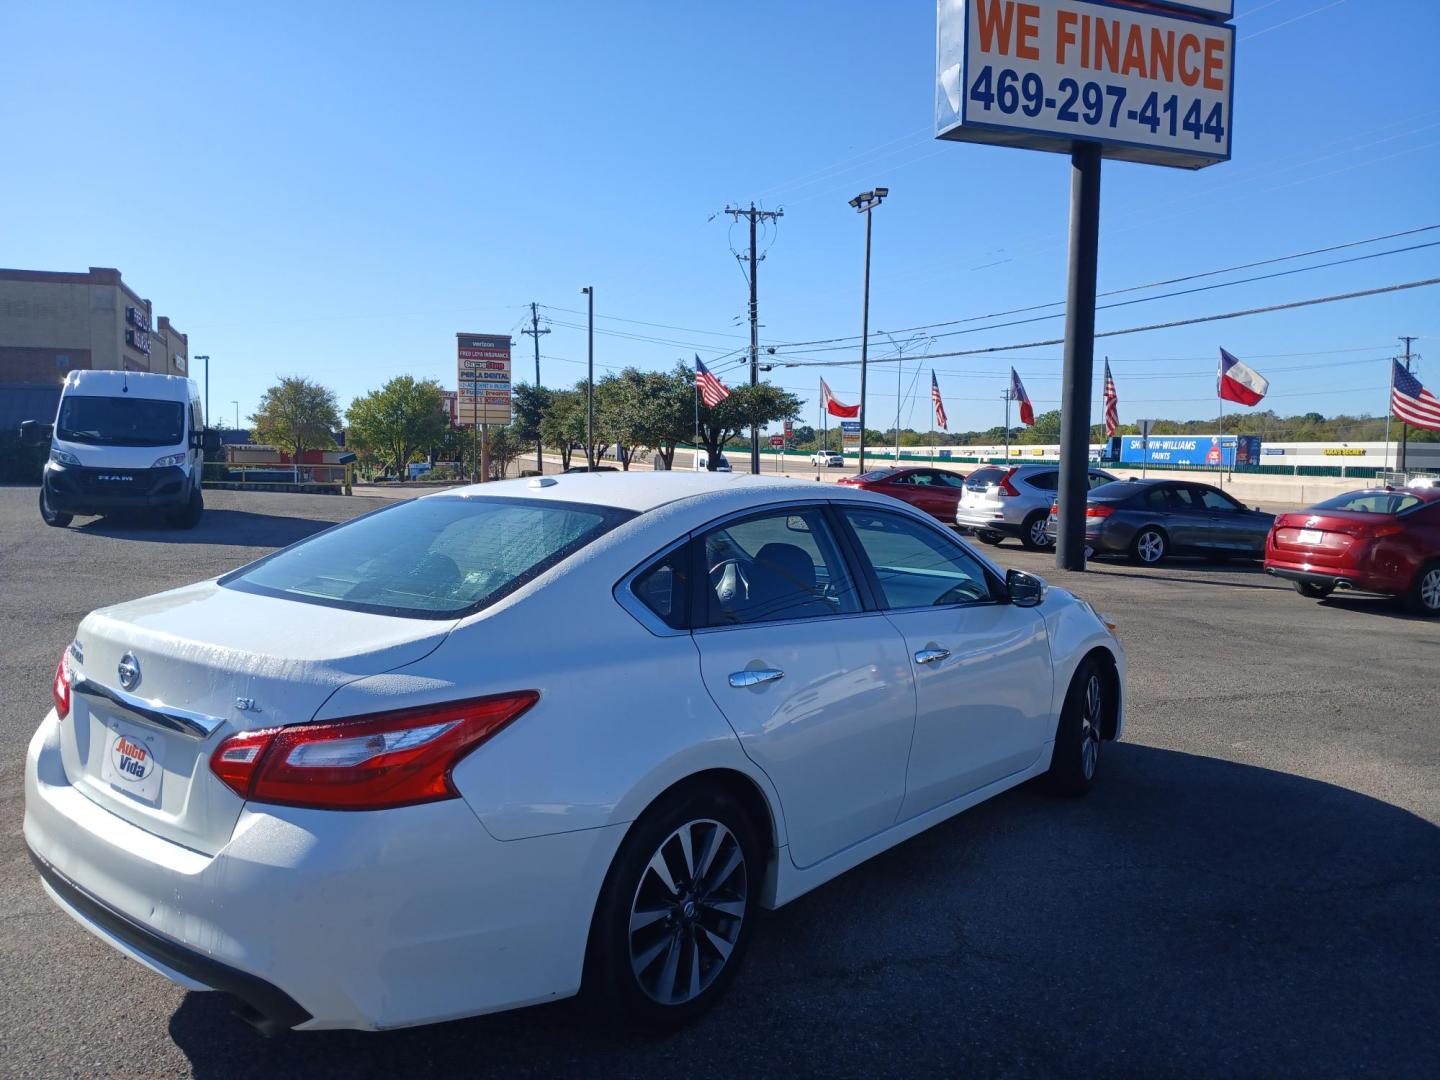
x=335, y=189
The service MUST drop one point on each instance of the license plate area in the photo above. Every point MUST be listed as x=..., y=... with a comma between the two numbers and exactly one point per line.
x=1310, y=536
x=132, y=760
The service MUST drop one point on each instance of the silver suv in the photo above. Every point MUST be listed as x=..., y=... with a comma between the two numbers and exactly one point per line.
x=1014, y=500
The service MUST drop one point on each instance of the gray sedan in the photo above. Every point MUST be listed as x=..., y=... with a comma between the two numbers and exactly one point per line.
x=1151, y=519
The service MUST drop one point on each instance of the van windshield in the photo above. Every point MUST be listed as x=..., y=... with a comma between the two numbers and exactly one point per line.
x=120, y=421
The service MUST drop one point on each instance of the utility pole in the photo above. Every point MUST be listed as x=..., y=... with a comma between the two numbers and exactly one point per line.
x=535, y=332
x=753, y=215
x=207, y=388
x=589, y=292
x=1404, y=427
x=863, y=204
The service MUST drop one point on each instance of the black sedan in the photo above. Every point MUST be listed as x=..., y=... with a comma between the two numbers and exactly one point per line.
x=1149, y=520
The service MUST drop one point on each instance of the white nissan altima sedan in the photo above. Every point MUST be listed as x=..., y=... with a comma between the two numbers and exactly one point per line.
x=498, y=745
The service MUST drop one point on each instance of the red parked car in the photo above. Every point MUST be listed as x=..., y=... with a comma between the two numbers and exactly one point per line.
x=1384, y=540
x=936, y=491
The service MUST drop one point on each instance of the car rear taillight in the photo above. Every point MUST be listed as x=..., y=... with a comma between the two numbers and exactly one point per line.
x=1005, y=489
x=1055, y=508
x=1377, y=532
x=371, y=762
x=1099, y=510
x=60, y=688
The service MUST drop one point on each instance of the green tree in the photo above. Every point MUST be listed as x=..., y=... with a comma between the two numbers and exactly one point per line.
x=504, y=445
x=562, y=424
x=758, y=405
x=296, y=415
x=530, y=406
x=620, y=412
x=401, y=418
x=668, y=411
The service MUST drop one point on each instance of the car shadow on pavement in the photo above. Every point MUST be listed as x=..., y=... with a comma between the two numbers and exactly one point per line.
x=1385, y=607
x=1190, y=573
x=241, y=528
x=1193, y=916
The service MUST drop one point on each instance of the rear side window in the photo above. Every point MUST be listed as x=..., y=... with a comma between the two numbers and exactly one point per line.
x=1044, y=481
x=664, y=588
x=434, y=558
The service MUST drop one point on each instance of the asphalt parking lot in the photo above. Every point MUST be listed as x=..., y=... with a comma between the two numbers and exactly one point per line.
x=1252, y=889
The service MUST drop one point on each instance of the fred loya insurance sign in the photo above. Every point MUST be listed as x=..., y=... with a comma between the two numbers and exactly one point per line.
x=1150, y=86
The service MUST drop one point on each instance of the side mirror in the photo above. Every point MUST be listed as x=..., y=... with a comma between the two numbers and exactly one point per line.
x=33, y=433
x=1025, y=590
x=210, y=441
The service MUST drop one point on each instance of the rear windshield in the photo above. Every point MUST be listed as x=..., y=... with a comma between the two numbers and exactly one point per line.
x=120, y=421
x=1372, y=502
x=1118, y=490
x=433, y=558
x=983, y=478
x=877, y=475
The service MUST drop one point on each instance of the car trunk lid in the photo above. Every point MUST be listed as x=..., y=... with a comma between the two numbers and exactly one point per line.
x=158, y=683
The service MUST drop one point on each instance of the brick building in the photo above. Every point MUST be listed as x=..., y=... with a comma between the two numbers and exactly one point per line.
x=52, y=323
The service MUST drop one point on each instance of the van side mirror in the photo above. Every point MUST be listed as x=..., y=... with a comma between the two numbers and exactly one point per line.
x=1025, y=590
x=33, y=432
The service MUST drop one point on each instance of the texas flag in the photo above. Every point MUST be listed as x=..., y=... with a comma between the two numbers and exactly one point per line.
x=1017, y=393
x=1240, y=382
x=834, y=407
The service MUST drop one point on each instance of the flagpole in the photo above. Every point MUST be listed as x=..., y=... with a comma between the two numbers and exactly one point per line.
x=1389, y=413
x=695, y=454
x=1007, y=423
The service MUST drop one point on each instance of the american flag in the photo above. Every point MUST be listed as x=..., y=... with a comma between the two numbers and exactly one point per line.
x=941, y=421
x=712, y=390
x=1412, y=402
x=1112, y=403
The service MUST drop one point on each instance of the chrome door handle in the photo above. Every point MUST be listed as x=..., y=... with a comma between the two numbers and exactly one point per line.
x=931, y=656
x=742, y=679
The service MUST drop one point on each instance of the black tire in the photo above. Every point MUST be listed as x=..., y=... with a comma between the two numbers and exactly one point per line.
x=989, y=538
x=1032, y=532
x=1150, y=546
x=1424, y=595
x=691, y=934
x=1080, y=732
x=1311, y=591
x=188, y=516
x=53, y=518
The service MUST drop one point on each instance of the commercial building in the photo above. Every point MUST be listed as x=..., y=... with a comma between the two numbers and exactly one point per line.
x=52, y=323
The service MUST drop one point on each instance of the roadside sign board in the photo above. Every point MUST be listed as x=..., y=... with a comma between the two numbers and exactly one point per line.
x=850, y=432
x=483, y=379
x=1149, y=86
x=777, y=441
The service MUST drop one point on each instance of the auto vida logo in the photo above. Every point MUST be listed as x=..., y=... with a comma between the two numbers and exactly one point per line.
x=131, y=759
x=129, y=671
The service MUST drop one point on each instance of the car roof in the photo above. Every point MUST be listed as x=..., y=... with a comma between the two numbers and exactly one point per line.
x=642, y=491
x=140, y=384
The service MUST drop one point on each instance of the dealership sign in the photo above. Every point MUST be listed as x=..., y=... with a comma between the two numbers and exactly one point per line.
x=483, y=379
x=1153, y=86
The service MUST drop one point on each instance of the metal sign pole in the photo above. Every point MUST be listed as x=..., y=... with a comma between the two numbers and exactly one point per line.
x=1079, y=355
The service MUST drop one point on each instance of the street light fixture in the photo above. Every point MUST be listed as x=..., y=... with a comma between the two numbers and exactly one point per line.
x=863, y=204
x=589, y=291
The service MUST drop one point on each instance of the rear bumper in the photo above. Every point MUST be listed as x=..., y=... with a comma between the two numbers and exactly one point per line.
x=973, y=520
x=74, y=490
x=269, y=1009
x=1333, y=579
x=323, y=919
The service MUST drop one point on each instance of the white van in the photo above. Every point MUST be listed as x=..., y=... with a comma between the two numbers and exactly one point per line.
x=702, y=461
x=124, y=440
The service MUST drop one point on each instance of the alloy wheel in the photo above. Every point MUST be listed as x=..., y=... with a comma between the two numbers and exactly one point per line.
x=1090, y=725
x=687, y=912
x=1430, y=590
x=1038, y=536
x=1151, y=546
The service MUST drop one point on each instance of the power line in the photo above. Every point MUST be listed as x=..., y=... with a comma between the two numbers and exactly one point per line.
x=1311, y=302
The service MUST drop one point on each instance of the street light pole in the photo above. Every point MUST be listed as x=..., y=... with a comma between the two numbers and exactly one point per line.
x=864, y=203
x=237, y=414
x=589, y=291
x=207, y=388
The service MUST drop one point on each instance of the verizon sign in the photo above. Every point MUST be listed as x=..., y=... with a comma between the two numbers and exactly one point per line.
x=482, y=393
x=1147, y=85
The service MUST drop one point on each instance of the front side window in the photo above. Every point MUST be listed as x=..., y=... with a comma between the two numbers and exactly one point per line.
x=783, y=565
x=120, y=421
x=1216, y=500
x=916, y=566
x=433, y=558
